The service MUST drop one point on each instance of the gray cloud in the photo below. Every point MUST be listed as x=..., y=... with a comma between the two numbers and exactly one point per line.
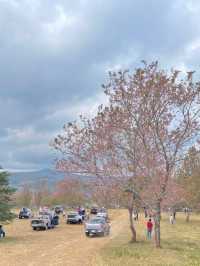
x=55, y=54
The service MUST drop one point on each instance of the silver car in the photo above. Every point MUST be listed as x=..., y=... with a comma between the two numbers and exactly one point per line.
x=102, y=215
x=74, y=218
x=41, y=222
x=97, y=226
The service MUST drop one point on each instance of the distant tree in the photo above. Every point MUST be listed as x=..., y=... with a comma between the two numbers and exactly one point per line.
x=189, y=178
x=175, y=196
x=70, y=192
x=6, y=193
x=41, y=194
x=24, y=195
x=106, y=192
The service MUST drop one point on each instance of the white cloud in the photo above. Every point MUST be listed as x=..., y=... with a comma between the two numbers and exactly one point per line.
x=192, y=5
x=87, y=107
x=54, y=53
x=193, y=47
x=56, y=29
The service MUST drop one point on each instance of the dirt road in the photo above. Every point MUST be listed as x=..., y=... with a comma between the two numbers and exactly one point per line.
x=65, y=245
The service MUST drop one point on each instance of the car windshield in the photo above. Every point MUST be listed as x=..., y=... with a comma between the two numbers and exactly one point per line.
x=73, y=213
x=37, y=221
x=96, y=221
x=44, y=213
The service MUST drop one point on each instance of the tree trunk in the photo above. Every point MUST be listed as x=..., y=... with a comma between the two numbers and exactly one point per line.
x=187, y=217
x=157, y=225
x=133, y=231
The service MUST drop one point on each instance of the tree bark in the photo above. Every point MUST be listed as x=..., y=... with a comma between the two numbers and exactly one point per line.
x=132, y=227
x=187, y=217
x=157, y=225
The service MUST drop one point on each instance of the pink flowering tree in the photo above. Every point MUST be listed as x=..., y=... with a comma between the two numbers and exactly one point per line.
x=139, y=138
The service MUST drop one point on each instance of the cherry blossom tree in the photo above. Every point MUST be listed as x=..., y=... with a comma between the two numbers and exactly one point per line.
x=140, y=137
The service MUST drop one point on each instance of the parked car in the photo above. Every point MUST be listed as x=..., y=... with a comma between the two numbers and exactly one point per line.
x=58, y=209
x=47, y=212
x=102, y=215
x=25, y=213
x=55, y=220
x=94, y=210
x=53, y=217
x=97, y=226
x=74, y=218
x=41, y=223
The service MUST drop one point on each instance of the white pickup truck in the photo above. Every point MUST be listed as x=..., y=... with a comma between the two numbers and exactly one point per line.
x=42, y=222
x=74, y=218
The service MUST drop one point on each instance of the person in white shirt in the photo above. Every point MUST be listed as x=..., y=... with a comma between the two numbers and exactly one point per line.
x=171, y=219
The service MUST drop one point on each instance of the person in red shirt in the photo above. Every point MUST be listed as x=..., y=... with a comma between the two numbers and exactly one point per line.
x=149, y=229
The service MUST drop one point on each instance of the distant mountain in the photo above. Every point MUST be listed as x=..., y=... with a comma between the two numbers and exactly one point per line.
x=50, y=175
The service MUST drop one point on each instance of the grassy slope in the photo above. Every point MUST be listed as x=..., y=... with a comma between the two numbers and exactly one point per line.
x=180, y=246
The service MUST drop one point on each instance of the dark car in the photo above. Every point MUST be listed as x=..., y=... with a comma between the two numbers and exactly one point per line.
x=94, y=210
x=55, y=220
x=25, y=213
x=58, y=209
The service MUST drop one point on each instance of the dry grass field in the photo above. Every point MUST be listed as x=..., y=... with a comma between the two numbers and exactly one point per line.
x=67, y=245
x=64, y=245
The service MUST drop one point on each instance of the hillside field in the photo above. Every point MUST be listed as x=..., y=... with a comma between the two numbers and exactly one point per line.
x=67, y=244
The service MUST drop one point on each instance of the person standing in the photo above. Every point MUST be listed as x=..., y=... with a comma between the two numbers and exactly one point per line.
x=145, y=212
x=135, y=215
x=171, y=219
x=2, y=232
x=174, y=215
x=149, y=229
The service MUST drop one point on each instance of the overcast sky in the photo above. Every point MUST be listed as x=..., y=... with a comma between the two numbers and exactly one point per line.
x=54, y=56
